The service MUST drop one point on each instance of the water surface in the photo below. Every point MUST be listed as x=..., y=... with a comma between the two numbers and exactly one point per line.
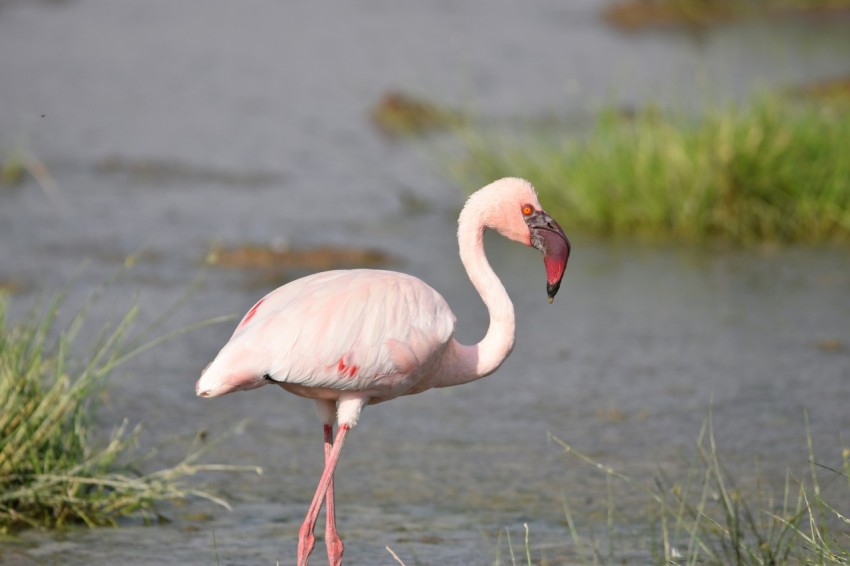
x=168, y=127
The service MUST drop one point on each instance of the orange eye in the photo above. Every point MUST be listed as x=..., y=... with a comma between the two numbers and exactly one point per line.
x=527, y=210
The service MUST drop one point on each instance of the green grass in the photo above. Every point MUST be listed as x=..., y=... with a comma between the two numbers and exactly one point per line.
x=771, y=170
x=706, y=517
x=55, y=466
x=11, y=168
x=637, y=14
x=19, y=164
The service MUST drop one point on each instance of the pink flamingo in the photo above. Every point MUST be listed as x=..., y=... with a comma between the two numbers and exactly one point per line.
x=358, y=337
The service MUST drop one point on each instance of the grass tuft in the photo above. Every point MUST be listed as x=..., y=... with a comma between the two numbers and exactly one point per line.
x=771, y=170
x=53, y=470
x=634, y=15
x=705, y=517
x=12, y=168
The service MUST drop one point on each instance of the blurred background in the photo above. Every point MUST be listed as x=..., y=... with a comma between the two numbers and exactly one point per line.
x=203, y=153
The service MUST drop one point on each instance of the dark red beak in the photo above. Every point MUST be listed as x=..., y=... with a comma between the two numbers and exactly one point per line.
x=548, y=237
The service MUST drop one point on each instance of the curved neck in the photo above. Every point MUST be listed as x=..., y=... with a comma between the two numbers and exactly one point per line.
x=469, y=363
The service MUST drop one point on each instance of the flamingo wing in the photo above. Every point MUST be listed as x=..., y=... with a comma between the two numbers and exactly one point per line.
x=348, y=330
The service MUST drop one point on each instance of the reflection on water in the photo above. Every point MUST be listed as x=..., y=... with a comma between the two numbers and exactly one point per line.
x=240, y=123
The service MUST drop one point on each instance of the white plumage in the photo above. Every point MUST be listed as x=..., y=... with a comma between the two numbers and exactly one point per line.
x=350, y=330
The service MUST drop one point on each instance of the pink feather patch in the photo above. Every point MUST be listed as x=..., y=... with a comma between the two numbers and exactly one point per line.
x=344, y=370
x=250, y=314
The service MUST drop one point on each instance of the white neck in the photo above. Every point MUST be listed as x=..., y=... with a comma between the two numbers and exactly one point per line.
x=468, y=363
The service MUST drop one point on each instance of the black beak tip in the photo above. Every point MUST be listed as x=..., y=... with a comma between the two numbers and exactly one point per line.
x=552, y=290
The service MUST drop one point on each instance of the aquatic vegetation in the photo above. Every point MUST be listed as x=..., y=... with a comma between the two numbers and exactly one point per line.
x=768, y=170
x=54, y=469
x=165, y=171
x=9, y=287
x=640, y=14
x=12, y=168
x=706, y=517
x=19, y=164
x=321, y=258
x=400, y=114
x=835, y=90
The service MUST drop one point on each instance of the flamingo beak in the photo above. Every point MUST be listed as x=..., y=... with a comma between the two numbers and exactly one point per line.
x=548, y=237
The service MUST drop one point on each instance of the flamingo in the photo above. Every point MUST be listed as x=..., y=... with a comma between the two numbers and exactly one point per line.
x=351, y=338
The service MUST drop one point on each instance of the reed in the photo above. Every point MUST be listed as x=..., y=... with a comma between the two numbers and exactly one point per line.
x=707, y=517
x=635, y=15
x=55, y=467
x=769, y=170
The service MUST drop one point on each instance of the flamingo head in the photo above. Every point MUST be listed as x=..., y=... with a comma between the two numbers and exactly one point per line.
x=510, y=206
x=547, y=236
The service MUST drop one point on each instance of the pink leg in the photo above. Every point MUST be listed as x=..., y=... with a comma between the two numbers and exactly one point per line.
x=332, y=540
x=306, y=540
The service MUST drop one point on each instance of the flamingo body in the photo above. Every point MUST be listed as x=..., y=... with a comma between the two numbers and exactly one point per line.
x=351, y=338
x=379, y=333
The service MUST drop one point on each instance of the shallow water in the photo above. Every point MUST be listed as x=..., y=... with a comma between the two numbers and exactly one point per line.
x=168, y=127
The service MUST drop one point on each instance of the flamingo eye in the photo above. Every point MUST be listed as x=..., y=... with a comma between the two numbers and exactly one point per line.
x=527, y=210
